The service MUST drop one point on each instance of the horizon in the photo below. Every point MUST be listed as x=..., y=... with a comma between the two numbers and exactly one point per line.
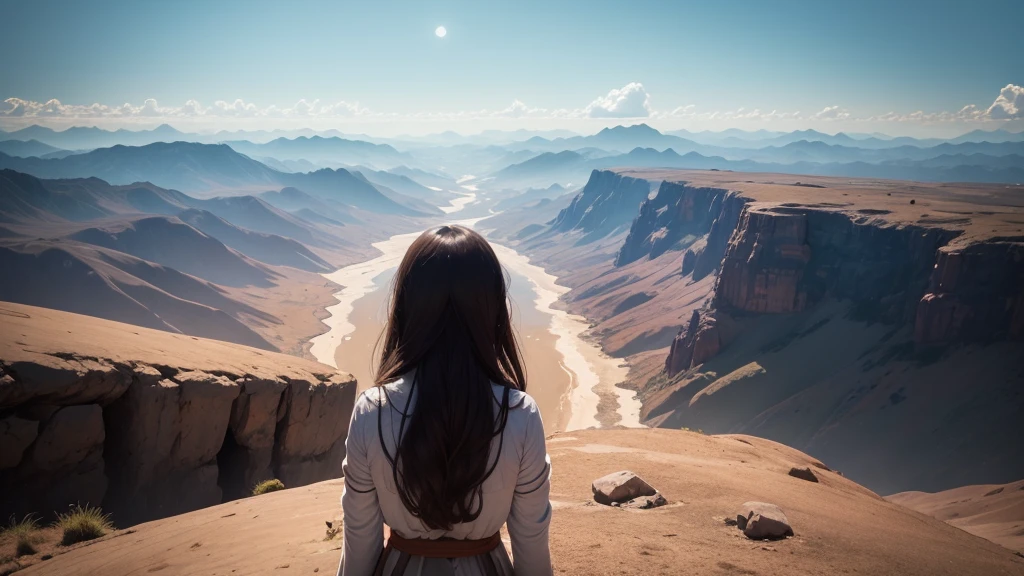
x=362, y=68
x=551, y=134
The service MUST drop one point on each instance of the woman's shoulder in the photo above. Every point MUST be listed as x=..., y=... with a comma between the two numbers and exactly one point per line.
x=519, y=402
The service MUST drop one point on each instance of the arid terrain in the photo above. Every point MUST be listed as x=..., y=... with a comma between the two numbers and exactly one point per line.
x=994, y=512
x=839, y=527
x=855, y=319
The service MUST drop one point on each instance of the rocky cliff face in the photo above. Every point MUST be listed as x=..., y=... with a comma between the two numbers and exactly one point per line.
x=151, y=424
x=607, y=202
x=676, y=213
x=782, y=259
x=975, y=293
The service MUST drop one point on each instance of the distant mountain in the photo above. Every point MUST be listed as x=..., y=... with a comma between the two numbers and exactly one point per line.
x=531, y=195
x=183, y=166
x=974, y=169
x=207, y=169
x=268, y=248
x=619, y=138
x=561, y=167
x=117, y=286
x=295, y=200
x=85, y=138
x=26, y=148
x=1000, y=135
x=171, y=242
x=398, y=182
x=318, y=149
x=424, y=177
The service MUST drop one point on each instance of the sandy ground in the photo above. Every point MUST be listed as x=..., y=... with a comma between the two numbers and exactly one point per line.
x=993, y=511
x=840, y=527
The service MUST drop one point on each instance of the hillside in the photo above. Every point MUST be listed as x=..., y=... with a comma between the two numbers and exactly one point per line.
x=993, y=512
x=838, y=525
x=855, y=320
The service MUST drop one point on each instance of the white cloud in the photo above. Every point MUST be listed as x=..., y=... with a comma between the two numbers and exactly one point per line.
x=1009, y=105
x=630, y=101
x=831, y=113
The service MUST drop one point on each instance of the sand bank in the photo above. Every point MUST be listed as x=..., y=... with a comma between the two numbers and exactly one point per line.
x=568, y=374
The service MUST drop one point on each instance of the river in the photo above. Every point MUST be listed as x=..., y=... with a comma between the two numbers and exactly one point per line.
x=565, y=372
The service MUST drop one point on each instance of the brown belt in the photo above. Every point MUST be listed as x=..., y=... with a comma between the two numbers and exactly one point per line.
x=439, y=548
x=444, y=547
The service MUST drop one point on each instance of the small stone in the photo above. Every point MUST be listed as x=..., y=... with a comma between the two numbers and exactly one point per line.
x=803, y=474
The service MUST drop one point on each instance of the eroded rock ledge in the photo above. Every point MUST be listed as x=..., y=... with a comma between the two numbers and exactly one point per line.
x=150, y=423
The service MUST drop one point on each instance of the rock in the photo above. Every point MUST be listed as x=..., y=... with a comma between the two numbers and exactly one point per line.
x=676, y=211
x=171, y=423
x=803, y=474
x=71, y=436
x=608, y=200
x=689, y=261
x=764, y=264
x=698, y=343
x=761, y=520
x=646, y=502
x=975, y=293
x=620, y=487
x=16, y=434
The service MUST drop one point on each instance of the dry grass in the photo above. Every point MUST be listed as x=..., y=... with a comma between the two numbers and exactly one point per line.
x=25, y=534
x=82, y=523
x=267, y=486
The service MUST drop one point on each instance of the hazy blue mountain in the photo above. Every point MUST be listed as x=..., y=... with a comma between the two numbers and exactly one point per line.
x=85, y=138
x=953, y=168
x=208, y=169
x=543, y=169
x=26, y=148
x=296, y=201
x=318, y=149
x=1000, y=135
x=267, y=248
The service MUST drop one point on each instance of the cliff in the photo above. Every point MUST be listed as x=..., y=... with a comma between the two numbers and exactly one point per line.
x=150, y=423
x=838, y=524
x=607, y=202
x=873, y=324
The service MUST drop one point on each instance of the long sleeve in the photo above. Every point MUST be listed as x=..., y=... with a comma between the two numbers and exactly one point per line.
x=363, y=520
x=530, y=515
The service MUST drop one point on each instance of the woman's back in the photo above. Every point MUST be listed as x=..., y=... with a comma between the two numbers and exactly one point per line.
x=516, y=491
x=447, y=447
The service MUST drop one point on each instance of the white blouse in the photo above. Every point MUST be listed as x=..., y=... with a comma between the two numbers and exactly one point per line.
x=516, y=492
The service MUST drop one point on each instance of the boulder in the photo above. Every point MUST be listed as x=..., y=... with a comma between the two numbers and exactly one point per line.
x=804, y=473
x=761, y=520
x=620, y=487
x=646, y=502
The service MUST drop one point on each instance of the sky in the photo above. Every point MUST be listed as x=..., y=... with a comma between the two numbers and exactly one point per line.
x=934, y=67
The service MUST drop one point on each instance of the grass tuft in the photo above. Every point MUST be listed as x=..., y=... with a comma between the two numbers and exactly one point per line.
x=82, y=523
x=267, y=486
x=25, y=534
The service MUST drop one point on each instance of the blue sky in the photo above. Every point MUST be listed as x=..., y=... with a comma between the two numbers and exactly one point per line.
x=292, y=63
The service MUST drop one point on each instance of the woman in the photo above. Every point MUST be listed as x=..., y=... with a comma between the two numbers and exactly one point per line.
x=447, y=446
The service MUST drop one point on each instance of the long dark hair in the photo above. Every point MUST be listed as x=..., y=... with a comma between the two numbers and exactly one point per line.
x=449, y=322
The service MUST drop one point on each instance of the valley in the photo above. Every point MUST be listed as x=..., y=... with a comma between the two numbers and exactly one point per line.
x=872, y=325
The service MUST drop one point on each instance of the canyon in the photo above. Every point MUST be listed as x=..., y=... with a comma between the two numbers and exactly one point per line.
x=874, y=324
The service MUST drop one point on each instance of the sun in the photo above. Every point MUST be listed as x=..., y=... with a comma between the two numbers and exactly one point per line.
x=440, y=32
